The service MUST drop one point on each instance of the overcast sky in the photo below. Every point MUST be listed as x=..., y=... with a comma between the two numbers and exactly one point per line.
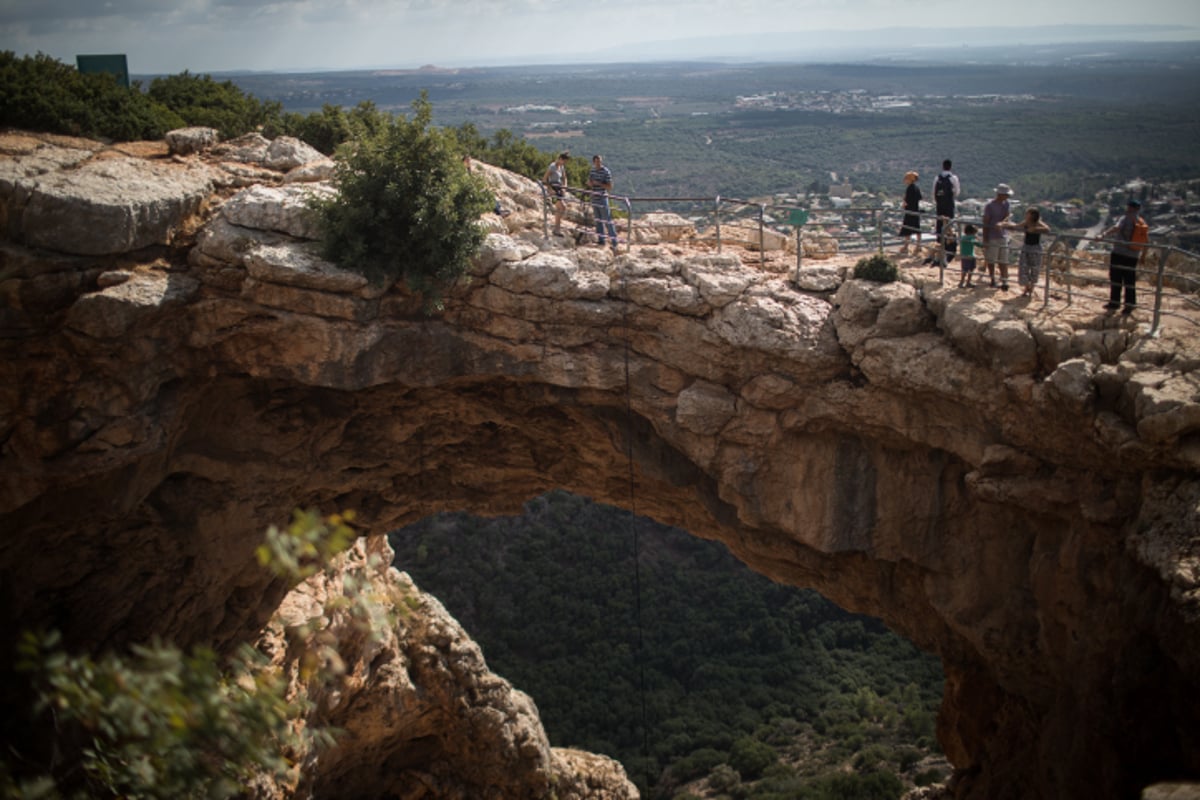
x=220, y=35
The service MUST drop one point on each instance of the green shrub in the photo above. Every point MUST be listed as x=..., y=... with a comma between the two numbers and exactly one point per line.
x=724, y=778
x=878, y=268
x=506, y=149
x=928, y=777
x=854, y=786
x=750, y=757
x=696, y=764
x=407, y=209
x=331, y=127
x=40, y=93
x=156, y=722
x=159, y=723
x=200, y=100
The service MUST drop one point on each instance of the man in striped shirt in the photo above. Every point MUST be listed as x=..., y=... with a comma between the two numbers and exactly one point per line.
x=600, y=182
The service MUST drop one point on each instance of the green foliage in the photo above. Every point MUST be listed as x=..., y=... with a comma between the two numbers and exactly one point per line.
x=695, y=765
x=42, y=94
x=306, y=546
x=516, y=154
x=727, y=655
x=331, y=127
x=407, y=209
x=853, y=786
x=928, y=777
x=200, y=100
x=155, y=722
x=878, y=268
x=750, y=757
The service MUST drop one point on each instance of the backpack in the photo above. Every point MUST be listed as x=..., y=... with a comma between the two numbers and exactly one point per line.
x=1141, y=235
x=943, y=190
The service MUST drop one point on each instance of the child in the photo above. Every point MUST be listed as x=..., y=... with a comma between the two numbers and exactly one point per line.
x=1031, y=249
x=949, y=243
x=967, y=245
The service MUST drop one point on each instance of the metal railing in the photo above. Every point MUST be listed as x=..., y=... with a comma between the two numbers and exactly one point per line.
x=1171, y=272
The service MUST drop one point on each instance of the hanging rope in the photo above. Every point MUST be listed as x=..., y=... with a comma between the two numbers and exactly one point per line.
x=633, y=527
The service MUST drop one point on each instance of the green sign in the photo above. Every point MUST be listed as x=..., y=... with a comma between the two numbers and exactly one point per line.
x=798, y=217
x=114, y=65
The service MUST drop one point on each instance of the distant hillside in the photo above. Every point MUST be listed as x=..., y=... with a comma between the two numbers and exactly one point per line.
x=1000, y=44
x=725, y=655
x=1056, y=121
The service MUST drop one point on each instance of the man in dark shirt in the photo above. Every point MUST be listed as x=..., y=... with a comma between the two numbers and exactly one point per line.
x=1122, y=264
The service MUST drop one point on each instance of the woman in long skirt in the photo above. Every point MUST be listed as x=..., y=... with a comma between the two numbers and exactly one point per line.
x=1031, y=249
x=912, y=209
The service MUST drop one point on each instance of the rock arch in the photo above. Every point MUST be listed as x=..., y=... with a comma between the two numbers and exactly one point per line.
x=1013, y=488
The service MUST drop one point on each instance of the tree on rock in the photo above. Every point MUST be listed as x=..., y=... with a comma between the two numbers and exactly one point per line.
x=407, y=209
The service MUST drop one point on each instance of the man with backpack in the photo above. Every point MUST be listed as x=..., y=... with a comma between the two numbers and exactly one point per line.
x=945, y=192
x=1131, y=234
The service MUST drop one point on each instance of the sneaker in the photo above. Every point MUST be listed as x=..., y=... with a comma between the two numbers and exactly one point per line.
x=1111, y=306
x=1126, y=311
x=1004, y=287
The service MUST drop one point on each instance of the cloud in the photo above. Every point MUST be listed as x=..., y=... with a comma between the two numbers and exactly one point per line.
x=213, y=35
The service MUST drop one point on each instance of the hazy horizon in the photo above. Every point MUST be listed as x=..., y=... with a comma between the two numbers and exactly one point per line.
x=305, y=35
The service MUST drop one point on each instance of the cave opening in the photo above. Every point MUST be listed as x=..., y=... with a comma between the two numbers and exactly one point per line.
x=696, y=672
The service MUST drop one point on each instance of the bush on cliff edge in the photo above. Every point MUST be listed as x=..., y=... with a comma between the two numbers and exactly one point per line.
x=407, y=209
x=878, y=268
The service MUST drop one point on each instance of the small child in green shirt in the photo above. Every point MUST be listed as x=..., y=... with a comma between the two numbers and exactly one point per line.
x=966, y=247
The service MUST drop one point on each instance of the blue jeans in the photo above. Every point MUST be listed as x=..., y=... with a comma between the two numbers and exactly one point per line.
x=604, y=223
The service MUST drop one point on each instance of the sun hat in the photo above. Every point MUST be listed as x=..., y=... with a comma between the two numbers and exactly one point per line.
x=911, y=175
x=1004, y=188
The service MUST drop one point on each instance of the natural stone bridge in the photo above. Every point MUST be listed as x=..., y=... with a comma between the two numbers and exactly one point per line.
x=1015, y=489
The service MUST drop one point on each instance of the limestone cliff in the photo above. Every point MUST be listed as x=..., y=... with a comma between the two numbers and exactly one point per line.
x=1013, y=487
x=418, y=712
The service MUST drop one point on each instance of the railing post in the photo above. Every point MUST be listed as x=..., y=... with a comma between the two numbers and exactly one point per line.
x=1046, y=269
x=629, y=211
x=762, y=245
x=1071, y=273
x=717, y=214
x=799, y=251
x=940, y=244
x=545, y=212
x=1158, y=291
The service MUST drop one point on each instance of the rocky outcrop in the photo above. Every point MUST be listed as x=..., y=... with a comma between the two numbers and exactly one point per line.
x=1013, y=487
x=418, y=712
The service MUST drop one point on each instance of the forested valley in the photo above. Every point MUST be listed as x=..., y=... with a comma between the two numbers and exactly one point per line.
x=662, y=650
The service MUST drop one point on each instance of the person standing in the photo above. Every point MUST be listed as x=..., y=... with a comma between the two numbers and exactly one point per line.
x=945, y=193
x=1031, y=249
x=600, y=182
x=556, y=179
x=995, y=240
x=912, y=211
x=1131, y=232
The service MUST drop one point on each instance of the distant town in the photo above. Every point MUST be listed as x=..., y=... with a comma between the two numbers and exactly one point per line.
x=1171, y=208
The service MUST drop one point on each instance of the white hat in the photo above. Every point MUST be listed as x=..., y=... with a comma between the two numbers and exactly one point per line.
x=1004, y=189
